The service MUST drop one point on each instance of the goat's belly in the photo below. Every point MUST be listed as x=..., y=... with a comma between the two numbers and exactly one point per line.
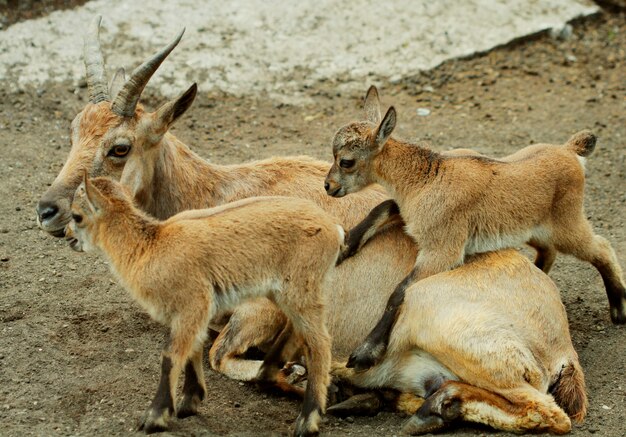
x=490, y=243
x=412, y=372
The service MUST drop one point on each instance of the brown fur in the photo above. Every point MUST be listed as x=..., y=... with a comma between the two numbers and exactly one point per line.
x=277, y=247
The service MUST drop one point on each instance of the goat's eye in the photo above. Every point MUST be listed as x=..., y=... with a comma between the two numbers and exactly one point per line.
x=119, y=151
x=77, y=217
x=346, y=163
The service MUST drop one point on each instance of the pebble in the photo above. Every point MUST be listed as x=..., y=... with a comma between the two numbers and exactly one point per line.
x=4, y=259
x=423, y=112
x=564, y=33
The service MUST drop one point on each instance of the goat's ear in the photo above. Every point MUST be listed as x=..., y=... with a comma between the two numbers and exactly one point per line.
x=118, y=80
x=95, y=199
x=167, y=114
x=372, y=105
x=385, y=128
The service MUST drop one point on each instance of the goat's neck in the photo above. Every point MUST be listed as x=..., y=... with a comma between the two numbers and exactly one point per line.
x=182, y=180
x=403, y=168
x=125, y=236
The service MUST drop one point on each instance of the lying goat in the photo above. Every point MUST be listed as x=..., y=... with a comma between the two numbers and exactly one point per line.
x=455, y=206
x=487, y=342
x=186, y=269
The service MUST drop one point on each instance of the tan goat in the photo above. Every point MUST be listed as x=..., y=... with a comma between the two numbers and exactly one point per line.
x=487, y=342
x=455, y=206
x=167, y=177
x=197, y=264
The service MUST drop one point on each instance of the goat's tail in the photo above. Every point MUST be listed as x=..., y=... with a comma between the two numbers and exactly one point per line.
x=582, y=143
x=569, y=391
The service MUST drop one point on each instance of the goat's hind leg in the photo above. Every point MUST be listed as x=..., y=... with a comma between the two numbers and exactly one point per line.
x=252, y=324
x=585, y=245
x=523, y=410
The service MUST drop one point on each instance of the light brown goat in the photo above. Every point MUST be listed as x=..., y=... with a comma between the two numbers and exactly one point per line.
x=167, y=177
x=455, y=206
x=197, y=264
x=487, y=342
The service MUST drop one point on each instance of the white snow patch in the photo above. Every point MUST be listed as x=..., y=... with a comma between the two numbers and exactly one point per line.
x=251, y=46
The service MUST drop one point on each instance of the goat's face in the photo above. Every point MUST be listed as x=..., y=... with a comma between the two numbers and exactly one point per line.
x=353, y=153
x=356, y=146
x=110, y=131
x=95, y=201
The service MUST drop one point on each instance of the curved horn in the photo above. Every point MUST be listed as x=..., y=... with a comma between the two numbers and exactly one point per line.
x=94, y=64
x=126, y=100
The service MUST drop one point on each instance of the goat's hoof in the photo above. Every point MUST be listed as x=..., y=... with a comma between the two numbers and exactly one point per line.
x=365, y=357
x=364, y=404
x=618, y=315
x=188, y=406
x=417, y=425
x=307, y=427
x=293, y=373
x=154, y=421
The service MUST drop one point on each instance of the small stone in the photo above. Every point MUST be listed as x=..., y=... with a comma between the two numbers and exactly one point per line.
x=423, y=112
x=606, y=407
x=129, y=350
x=563, y=33
x=237, y=405
x=4, y=259
x=350, y=419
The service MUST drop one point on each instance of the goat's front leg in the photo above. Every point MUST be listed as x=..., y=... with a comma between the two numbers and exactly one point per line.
x=173, y=358
x=381, y=217
x=194, y=388
x=429, y=262
x=370, y=352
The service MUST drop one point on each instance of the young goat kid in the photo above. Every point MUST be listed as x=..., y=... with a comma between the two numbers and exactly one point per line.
x=186, y=269
x=455, y=206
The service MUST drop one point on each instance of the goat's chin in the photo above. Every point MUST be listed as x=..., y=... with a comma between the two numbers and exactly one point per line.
x=75, y=245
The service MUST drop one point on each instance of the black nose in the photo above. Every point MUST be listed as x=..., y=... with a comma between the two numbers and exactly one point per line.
x=47, y=210
x=326, y=186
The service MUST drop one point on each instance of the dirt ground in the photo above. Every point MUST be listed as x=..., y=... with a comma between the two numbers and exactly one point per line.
x=77, y=357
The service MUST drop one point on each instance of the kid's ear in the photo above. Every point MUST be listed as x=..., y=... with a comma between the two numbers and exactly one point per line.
x=385, y=128
x=95, y=199
x=372, y=105
x=167, y=114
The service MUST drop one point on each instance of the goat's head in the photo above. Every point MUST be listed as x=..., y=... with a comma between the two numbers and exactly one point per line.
x=110, y=130
x=95, y=200
x=356, y=145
